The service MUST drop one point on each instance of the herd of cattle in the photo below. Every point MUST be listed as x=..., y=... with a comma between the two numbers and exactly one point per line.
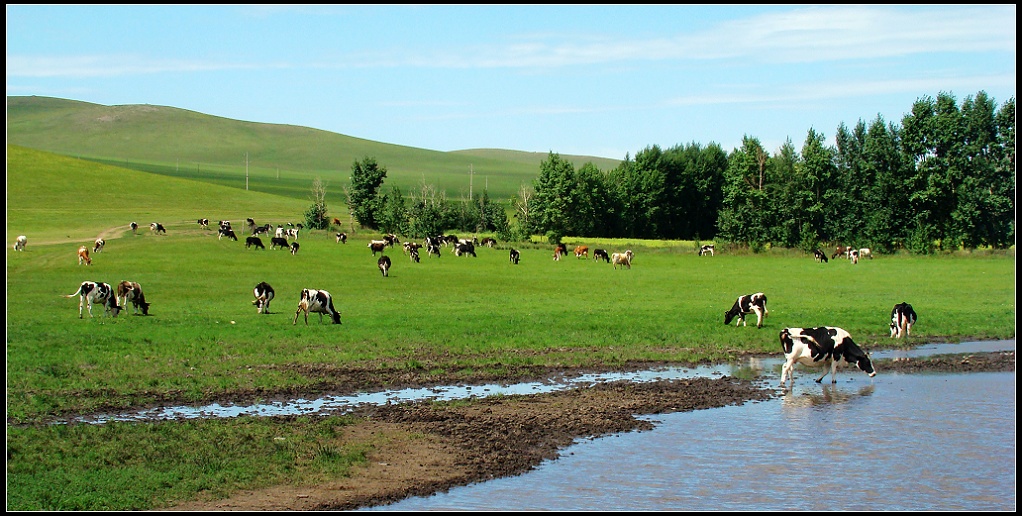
x=824, y=346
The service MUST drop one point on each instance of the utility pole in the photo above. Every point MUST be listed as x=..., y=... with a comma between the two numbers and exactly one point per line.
x=469, y=180
x=246, y=171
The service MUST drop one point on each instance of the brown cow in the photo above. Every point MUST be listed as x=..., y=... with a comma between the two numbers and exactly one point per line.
x=581, y=251
x=83, y=256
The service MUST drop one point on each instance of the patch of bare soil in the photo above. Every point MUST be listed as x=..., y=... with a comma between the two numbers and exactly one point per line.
x=418, y=449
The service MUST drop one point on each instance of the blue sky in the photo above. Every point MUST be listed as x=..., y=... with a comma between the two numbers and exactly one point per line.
x=590, y=80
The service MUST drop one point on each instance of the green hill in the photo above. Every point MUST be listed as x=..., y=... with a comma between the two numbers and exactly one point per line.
x=272, y=158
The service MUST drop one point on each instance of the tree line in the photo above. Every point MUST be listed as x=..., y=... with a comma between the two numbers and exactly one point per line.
x=943, y=179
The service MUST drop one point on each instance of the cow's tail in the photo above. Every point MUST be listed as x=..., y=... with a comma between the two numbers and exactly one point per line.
x=77, y=292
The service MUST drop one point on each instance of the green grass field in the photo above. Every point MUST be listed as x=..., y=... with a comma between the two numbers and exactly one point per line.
x=204, y=339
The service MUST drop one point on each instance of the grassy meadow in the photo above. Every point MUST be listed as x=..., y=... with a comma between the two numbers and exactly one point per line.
x=204, y=340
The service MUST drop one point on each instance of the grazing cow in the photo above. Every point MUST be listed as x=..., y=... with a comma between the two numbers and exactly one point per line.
x=820, y=255
x=319, y=301
x=865, y=253
x=823, y=346
x=132, y=291
x=410, y=246
x=623, y=259
x=384, y=264
x=706, y=249
x=276, y=242
x=342, y=238
x=515, y=255
x=292, y=233
x=280, y=232
x=902, y=319
x=601, y=254
x=19, y=244
x=134, y=227
x=432, y=248
x=83, y=256
x=464, y=247
x=157, y=228
x=204, y=223
x=839, y=250
x=377, y=246
x=294, y=248
x=853, y=256
x=254, y=241
x=559, y=251
x=93, y=292
x=489, y=242
x=391, y=239
x=751, y=303
x=263, y=293
x=226, y=232
x=98, y=246
x=260, y=230
x=582, y=250
x=413, y=255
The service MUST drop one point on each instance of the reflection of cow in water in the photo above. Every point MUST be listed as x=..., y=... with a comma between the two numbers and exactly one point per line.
x=831, y=395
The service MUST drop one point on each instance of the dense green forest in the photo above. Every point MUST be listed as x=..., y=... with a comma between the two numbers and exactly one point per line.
x=942, y=180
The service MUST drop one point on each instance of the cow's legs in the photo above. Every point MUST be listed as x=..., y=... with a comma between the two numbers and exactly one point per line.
x=759, y=317
x=831, y=371
x=788, y=370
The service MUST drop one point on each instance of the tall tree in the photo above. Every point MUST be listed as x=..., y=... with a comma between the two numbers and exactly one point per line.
x=745, y=201
x=366, y=179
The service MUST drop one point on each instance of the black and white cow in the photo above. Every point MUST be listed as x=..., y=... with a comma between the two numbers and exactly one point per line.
x=134, y=227
x=100, y=243
x=294, y=248
x=820, y=255
x=254, y=241
x=157, y=228
x=226, y=232
x=747, y=304
x=706, y=249
x=19, y=244
x=276, y=242
x=514, y=255
x=292, y=232
x=902, y=319
x=464, y=247
x=601, y=254
x=203, y=223
x=824, y=346
x=413, y=254
x=260, y=230
x=132, y=291
x=319, y=301
x=377, y=246
x=342, y=238
x=96, y=293
x=263, y=293
x=384, y=264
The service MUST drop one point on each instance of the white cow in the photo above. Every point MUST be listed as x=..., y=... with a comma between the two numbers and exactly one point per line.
x=92, y=292
x=19, y=244
x=99, y=245
x=623, y=259
x=320, y=301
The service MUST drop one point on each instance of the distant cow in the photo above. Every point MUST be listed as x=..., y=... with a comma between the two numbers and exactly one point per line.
x=820, y=256
x=853, y=256
x=292, y=232
x=823, y=346
x=134, y=227
x=384, y=264
x=706, y=249
x=294, y=248
x=276, y=242
x=581, y=250
x=157, y=228
x=342, y=238
x=413, y=255
x=559, y=251
x=902, y=319
x=98, y=246
x=515, y=255
x=263, y=293
x=19, y=244
x=203, y=223
x=865, y=253
x=261, y=230
x=601, y=254
x=623, y=259
x=464, y=247
x=226, y=232
x=132, y=291
x=410, y=246
x=839, y=250
x=96, y=293
x=377, y=246
x=254, y=241
x=752, y=303
x=317, y=301
x=488, y=242
x=83, y=256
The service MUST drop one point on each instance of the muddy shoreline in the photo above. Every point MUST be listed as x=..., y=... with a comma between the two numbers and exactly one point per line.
x=419, y=449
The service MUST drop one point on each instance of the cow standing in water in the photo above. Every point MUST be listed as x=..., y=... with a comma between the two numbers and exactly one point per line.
x=825, y=346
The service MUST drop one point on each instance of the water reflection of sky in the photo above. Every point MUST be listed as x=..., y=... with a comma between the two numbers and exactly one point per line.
x=327, y=405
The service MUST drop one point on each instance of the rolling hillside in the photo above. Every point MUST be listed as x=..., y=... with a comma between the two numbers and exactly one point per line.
x=272, y=158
